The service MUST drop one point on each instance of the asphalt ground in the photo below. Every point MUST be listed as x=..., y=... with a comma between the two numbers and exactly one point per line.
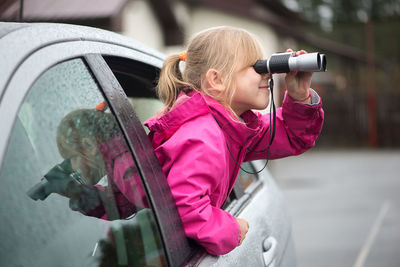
x=344, y=205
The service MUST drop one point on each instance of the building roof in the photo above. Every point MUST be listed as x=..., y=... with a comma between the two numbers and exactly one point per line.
x=40, y=10
x=104, y=14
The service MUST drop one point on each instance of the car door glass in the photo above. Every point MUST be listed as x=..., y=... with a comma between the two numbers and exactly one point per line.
x=71, y=193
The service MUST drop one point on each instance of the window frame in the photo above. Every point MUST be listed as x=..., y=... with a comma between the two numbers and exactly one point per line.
x=177, y=247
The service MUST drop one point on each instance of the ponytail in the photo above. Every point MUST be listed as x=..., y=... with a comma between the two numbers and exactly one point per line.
x=171, y=82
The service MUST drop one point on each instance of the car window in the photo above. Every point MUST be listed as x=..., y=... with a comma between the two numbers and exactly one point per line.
x=138, y=80
x=247, y=178
x=245, y=185
x=71, y=194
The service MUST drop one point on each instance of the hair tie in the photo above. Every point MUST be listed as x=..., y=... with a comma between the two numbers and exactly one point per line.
x=102, y=106
x=183, y=55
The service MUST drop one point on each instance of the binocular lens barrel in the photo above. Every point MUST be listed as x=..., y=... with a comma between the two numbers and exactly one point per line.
x=286, y=62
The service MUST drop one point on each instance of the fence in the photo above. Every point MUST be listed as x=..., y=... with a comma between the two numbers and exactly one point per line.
x=350, y=122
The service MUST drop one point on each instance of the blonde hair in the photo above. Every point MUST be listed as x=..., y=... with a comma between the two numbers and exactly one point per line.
x=226, y=49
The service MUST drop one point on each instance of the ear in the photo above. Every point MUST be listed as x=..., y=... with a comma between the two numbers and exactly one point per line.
x=215, y=80
x=89, y=145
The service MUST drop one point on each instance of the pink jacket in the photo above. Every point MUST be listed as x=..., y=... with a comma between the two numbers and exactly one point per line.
x=191, y=142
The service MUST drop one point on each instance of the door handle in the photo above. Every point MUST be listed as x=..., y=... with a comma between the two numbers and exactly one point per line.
x=269, y=248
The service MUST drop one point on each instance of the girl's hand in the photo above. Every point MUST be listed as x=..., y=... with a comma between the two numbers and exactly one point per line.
x=244, y=228
x=298, y=83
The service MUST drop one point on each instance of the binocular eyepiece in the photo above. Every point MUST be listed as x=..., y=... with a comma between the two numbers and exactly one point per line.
x=286, y=62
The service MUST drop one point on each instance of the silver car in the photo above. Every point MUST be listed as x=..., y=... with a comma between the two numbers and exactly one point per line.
x=50, y=70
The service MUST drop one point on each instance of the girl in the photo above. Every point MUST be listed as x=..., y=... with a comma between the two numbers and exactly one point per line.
x=208, y=128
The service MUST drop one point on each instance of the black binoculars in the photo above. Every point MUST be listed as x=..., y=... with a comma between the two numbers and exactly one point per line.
x=57, y=180
x=286, y=62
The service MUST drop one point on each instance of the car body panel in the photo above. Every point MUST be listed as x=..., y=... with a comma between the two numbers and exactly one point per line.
x=20, y=42
x=264, y=212
x=24, y=57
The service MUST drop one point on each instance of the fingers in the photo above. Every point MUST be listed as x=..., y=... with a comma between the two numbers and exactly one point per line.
x=298, y=53
x=301, y=52
x=244, y=228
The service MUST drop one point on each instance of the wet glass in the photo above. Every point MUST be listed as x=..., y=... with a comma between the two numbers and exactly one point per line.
x=71, y=194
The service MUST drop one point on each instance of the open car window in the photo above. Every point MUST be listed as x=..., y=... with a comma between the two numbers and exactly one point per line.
x=138, y=80
x=246, y=179
x=71, y=193
x=246, y=184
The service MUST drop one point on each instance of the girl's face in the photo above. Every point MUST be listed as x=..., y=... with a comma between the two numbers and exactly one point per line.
x=252, y=91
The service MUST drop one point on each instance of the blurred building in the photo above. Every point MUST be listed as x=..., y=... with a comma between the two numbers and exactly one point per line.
x=96, y=13
x=352, y=115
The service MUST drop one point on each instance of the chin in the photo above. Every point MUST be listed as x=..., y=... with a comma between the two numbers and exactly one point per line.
x=265, y=105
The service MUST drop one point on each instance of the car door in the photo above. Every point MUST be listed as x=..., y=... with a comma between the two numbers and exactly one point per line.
x=69, y=69
x=45, y=230
x=56, y=80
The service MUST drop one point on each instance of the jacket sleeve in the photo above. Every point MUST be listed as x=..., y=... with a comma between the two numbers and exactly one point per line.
x=122, y=197
x=297, y=128
x=194, y=169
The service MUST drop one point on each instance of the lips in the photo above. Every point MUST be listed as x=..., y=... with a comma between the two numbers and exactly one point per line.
x=264, y=87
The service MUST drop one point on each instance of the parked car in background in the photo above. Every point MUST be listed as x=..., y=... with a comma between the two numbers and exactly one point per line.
x=49, y=70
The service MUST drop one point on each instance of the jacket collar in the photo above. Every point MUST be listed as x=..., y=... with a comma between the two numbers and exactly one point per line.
x=164, y=125
x=239, y=130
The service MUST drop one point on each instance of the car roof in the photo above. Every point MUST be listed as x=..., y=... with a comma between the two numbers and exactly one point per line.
x=19, y=40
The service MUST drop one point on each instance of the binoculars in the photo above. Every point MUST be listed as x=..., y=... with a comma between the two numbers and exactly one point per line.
x=286, y=62
x=57, y=180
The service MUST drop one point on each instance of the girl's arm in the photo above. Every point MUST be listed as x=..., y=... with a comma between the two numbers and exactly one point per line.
x=298, y=83
x=298, y=125
x=298, y=122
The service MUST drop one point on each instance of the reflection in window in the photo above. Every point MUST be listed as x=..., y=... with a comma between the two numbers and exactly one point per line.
x=71, y=194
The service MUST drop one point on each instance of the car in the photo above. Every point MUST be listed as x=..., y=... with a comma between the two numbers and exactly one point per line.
x=49, y=70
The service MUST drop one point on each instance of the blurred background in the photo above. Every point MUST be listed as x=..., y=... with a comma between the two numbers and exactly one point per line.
x=343, y=193
x=361, y=90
